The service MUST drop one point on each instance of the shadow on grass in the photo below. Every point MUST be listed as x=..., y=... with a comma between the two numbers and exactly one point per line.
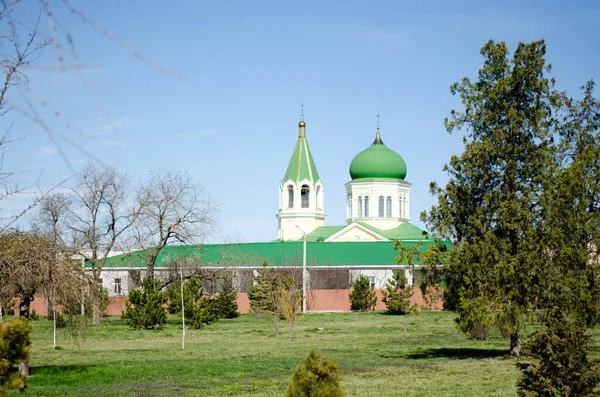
x=457, y=353
x=60, y=369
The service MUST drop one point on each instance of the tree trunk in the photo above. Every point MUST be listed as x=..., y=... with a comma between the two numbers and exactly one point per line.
x=515, y=344
x=405, y=323
x=24, y=368
x=291, y=327
x=24, y=306
x=51, y=308
x=96, y=312
x=276, y=318
x=150, y=271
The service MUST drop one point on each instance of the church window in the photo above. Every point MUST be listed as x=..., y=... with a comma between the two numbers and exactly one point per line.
x=381, y=204
x=349, y=209
x=402, y=206
x=304, y=196
x=366, y=206
x=319, y=198
x=388, y=207
x=290, y=196
x=360, y=206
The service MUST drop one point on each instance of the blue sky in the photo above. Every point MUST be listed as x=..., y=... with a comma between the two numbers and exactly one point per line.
x=231, y=122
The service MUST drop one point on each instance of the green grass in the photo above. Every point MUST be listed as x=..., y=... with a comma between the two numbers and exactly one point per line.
x=243, y=357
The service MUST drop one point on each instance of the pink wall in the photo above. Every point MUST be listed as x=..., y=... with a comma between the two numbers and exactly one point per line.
x=317, y=300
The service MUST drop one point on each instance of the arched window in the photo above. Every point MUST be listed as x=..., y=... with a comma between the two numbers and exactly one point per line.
x=318, y=197
x=304, y=196
x=360, y=206
x=349, y=209
x=290, y=196
x=388, y=207
x=366, y=206
x=381, y=204
x=400, y=207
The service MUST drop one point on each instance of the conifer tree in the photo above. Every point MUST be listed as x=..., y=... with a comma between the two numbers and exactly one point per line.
x=226, y=302
x=397, y=294
x=491, y=205
x=315, y=376
x=145, y=307
x=362, y=297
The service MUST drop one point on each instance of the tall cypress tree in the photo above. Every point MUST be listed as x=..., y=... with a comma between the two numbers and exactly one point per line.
x=491, y=206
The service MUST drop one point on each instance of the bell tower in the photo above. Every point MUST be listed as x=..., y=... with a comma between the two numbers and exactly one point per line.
x=301, y=192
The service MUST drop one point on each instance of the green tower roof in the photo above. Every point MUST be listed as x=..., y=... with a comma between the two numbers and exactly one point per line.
x=378, y=161
x=301, y=165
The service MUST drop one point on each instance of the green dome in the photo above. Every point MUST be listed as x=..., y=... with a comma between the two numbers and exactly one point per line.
x=378, y=161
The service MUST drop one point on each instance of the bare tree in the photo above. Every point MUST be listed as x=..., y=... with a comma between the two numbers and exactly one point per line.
x=175, y=210
x=49, y=219
x=98, y=220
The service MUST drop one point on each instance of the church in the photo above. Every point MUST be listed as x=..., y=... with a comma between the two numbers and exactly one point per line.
x=377, y=213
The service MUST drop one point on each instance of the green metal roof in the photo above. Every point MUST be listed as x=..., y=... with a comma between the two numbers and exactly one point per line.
x=405, y=231
x=322, y=232
x=275, y=253
x=301, y=164
x=378, y=161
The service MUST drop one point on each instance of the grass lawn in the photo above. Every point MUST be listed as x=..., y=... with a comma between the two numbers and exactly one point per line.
x=243, y=357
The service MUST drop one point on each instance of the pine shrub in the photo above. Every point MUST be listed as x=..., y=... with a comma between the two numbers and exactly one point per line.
x=226, y=302
x=560, y=364
x=397, y=294
x=315, y=376
x=200, y=309
x=145, y=307
x=263, y=291
x=15, y=347
x=362, y=297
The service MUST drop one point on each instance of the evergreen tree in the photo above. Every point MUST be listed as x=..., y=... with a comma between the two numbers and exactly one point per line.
x=362, y=296
x=397, y=294
x=145, y=307
x=571, y=277
x=491, y=205
x=200, y=309
x=263, y=293
x=315, y=376
x=15, y=347
x=226, y=302
x=560, y=364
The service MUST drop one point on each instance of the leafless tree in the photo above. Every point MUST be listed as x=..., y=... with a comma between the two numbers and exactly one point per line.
x=175, y=210
x=19, y=47
x=50, y=220
x=98, y=219
x=26, y=32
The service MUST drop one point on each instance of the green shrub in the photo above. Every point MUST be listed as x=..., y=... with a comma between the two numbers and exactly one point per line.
x=315, y=376
x=60, y=320
x=264, y=291
x=226, y=302
x=560, y=364
x=200, y=309
x=145, y=307
x=362, y=296
x=34, y=315
x=15, y=346
x=475, y=318
x=397, y=294
x=201, y=312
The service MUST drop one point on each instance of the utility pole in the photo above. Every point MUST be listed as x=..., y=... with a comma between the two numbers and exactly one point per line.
x=304, y=272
